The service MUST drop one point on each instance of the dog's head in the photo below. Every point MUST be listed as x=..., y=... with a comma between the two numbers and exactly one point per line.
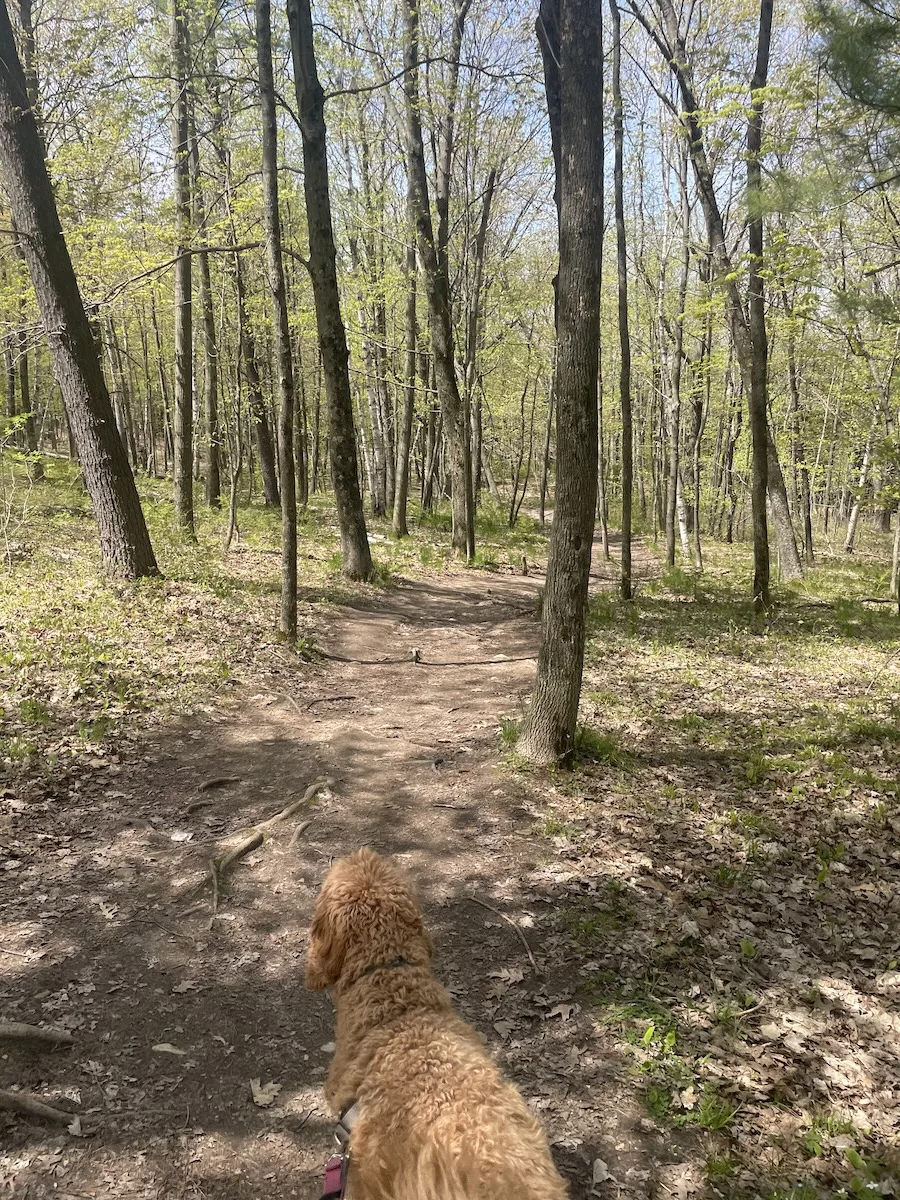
x=365, y=912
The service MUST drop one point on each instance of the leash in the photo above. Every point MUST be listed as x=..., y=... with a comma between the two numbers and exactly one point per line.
x=337, y=1168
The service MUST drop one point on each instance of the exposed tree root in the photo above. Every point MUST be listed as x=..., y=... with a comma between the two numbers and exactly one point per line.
x=19, y=1031
x=30, y=1106
x=253, y=838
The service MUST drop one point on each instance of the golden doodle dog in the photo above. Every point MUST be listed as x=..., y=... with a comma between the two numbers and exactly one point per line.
x=434, y=1119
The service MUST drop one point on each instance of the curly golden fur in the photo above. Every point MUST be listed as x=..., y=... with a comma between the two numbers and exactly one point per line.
x=437, y=1121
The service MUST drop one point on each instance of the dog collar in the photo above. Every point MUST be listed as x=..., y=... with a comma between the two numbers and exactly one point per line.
x=399, y=961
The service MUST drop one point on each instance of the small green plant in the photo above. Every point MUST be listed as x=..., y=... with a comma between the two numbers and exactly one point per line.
x=748, y=949
x=822, y=1127
x=94, y=730
x=725, y=875
x=509, y=730
x=757, y=767
x=35, y=712
x=307, y=650
x=826, y=856
x=598, y=747
x=720, y=1168
x=690, y=722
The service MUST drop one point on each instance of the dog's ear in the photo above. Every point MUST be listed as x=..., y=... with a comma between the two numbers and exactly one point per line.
x=325, y=954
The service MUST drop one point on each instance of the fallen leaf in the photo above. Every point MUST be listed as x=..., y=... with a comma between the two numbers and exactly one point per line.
x=600, y=1172
x=186, y=985
x=168, y=1048
x=688, y=1098
x=264, y=1093
x=74, y=1127
x=770, y=1032
x=504, y=1028
x=562, y=1010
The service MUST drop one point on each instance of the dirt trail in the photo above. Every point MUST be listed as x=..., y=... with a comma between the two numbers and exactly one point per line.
x=174, y=1014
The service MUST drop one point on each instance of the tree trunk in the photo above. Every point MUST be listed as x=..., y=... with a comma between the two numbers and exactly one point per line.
x=850, y=540
x=256, y=406
x=322, y=268
x=748, y=331
x=284, y=365
x=437, y=290
x=401, y=491
x=625, y=582
x=571, y=46
x=124, y=541
x=183, y=453
x=210, y=393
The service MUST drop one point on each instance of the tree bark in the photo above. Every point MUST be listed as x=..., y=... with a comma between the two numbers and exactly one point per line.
x=284, y=365
x=570, y=31
x=124, y=541
x=322, y=268
x=625, y=581
x=210, y=392
x=748, y=331
x=183, y=454
x=437, y=286
x=401, y=491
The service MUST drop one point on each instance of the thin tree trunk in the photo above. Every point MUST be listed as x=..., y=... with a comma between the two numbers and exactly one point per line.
x=284, y=365
x=625, y=581
x=571, y=47
x=183, y=462
x=322, y=268
x=850, y=540
x=401, y=491
x=437, y=285
x=210, y=393
x=124, y=541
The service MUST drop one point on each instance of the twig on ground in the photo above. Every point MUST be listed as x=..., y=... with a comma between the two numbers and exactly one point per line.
x=292, y=702
x=223, y=781
x=509, y=921
x=19, y=1031
x=297, y=834
x=745, y=1012
x=887, y=662
x=30, y=1106
x=197, y=805
x=328, y=700
x=214, y=876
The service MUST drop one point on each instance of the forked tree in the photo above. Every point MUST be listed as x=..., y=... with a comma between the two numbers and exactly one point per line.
x=124, y=540
x=569, y=32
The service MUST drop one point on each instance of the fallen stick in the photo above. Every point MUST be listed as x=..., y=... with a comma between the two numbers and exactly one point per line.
x=19, y=1031
x=222, y=781
x=298, y=832
x=328, y=700
x=253, y=838
x=30, y=1106
x=509, y=921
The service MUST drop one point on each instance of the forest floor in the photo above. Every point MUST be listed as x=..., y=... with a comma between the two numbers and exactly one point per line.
x=709, y=892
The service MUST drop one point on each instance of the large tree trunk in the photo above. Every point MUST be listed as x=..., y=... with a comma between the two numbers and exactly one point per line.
x=571, y=44
x=183, y=456
x=124, y=541
x=284, y=366
x=322, y=268
x=437, y=287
